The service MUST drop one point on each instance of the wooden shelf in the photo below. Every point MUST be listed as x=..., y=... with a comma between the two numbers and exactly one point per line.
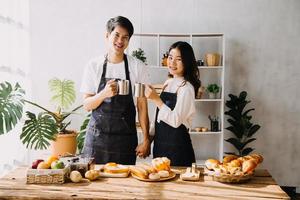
x=205, y=133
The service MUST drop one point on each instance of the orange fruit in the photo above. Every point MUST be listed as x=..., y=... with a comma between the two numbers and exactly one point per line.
x=51, y=159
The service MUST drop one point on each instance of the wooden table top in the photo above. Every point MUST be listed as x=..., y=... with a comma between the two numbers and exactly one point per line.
x=261, y=186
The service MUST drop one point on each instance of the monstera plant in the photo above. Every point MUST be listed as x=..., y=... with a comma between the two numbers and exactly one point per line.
x=240, y=124
x=39, y=129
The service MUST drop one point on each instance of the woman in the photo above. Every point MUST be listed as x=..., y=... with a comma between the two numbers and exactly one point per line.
x=176, y=106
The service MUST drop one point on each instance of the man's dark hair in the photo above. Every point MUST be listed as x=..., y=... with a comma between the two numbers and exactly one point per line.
x=119, y=21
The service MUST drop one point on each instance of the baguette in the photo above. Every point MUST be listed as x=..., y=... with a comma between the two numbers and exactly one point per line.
x=139, y=172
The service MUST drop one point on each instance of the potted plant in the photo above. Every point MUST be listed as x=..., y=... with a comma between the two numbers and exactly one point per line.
x=48, y=126
x=139, y=54
x=212, y=90
x=240, y=124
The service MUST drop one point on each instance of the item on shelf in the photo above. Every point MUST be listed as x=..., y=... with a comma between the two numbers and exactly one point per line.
x=200, y=62
x=212, y=59
x=191, y=174
x=214, y=123
x=201, y=129
x=165, y=59
x=200, y=92
x=139, y=54
x=212, y=90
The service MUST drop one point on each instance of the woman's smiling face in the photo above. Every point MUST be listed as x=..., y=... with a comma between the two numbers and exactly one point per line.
x=175, y=64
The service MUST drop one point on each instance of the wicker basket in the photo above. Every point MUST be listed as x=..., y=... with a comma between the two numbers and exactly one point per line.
x=47, y=176
x=228, y=178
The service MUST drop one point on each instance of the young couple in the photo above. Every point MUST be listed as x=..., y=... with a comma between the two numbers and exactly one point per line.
x=111, y=134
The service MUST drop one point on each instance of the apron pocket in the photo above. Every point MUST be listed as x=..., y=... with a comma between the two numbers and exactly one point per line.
x=113, y=124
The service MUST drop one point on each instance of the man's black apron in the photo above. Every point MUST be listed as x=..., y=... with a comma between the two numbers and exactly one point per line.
x=174, y=143
x=111, y=134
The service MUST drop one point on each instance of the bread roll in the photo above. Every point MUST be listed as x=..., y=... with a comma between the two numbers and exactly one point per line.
x=249, y=165
x=154, y=176
x=257, y=157
x=229, y=158
x=234, y=163
x=163, y=174
x=147, y=167
x=161, y=163
x=139, y=171
x=211, y=163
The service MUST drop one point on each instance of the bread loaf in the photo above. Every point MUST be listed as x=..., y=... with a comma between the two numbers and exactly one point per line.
x=139, y=172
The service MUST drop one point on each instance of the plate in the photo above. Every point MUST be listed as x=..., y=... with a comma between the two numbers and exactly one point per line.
x=116, y=175
x=172, y=175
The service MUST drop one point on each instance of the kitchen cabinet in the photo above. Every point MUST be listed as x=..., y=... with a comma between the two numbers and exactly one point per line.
x=208, y=144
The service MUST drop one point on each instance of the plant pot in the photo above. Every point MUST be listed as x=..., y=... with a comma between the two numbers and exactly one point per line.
x=64, y=144
x=212, y=59
x=212, y=95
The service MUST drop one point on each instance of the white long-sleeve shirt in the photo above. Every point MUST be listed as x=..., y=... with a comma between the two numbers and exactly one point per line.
x=184, y=110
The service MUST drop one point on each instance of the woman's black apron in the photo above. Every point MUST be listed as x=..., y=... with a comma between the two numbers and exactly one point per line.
x=111, y=134
x=174, y=143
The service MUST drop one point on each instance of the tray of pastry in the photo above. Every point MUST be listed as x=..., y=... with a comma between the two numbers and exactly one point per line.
x=158, y=170
x=114, y=170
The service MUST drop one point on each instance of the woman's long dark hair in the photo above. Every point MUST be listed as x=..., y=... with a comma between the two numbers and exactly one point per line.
x=190, y=70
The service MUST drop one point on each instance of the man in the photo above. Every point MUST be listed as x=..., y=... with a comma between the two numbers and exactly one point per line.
x=111, y=134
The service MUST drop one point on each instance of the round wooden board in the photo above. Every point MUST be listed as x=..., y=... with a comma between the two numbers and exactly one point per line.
x=172, y=175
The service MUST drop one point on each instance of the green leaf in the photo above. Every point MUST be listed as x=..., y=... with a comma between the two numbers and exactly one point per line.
x=38, y=131
x=247, y=142
x=236, y=132
x=82, y=132
x=235, y=142
x=63, y=92
x=247, y=111
x=247, y=151
x=11, y=106
x=231, y=153
x=253, y=130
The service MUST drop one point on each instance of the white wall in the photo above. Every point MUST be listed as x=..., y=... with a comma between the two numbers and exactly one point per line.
x=262, y=55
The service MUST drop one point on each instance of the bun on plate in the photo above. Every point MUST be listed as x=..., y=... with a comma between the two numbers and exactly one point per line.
x=161, y=163
x=114, y=168
x=147, y=167
x=154, y=176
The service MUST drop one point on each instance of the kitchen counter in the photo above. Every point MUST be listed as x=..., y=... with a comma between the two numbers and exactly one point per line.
x=261, y=186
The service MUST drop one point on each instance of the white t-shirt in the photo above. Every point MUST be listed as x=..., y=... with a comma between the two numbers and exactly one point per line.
x=184, y=110
x=92, y=73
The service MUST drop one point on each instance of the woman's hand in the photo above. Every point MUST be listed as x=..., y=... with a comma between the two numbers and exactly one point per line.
x=110, y=89
x=150, y=93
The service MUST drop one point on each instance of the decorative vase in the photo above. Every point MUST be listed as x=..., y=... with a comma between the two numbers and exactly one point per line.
x=212, y=95
x=64, y=144
x=212, y=59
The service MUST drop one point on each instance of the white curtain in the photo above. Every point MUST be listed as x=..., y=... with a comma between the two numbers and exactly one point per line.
x=14, y=67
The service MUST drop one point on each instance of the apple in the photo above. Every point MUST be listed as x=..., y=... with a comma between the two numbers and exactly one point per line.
x=36, y=163
x=57, y=164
